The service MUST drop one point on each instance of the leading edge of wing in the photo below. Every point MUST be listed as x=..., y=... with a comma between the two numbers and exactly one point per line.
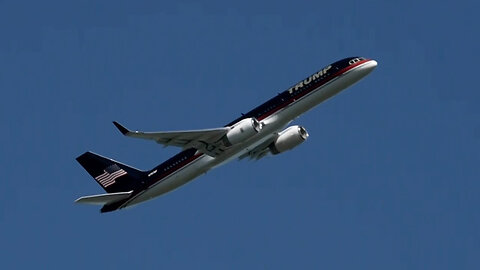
x=203, y=139
x=151, y=135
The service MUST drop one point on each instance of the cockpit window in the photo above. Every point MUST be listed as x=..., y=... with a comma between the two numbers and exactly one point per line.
x=355, y=60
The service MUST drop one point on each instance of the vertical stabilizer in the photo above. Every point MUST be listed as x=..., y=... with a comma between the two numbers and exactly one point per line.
x=112, y=175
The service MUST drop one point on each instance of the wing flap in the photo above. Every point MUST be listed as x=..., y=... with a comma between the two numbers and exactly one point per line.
x=102, y=199
x=207, y=141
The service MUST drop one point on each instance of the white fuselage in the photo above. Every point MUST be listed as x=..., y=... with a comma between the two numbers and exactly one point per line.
x=271, y=126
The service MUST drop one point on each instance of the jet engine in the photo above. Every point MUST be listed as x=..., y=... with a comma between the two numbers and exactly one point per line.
x=288, y=139
x=241, y=131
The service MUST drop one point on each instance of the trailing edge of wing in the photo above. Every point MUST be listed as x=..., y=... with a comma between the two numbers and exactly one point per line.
x=201, y=139
x=102, y=199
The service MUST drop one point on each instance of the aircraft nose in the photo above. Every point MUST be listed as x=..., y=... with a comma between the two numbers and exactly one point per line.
x=368, y=67
x=372, y=64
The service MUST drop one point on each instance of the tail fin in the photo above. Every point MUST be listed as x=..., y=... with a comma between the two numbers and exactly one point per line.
x=112, y=175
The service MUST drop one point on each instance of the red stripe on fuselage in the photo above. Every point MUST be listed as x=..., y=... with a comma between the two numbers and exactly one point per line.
x=319, y=84
x=287, y=102
x=175, y=168
x=186, y=162
x=161, y=177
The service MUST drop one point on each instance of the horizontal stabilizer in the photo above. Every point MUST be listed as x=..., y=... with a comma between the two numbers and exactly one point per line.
x=102, y=199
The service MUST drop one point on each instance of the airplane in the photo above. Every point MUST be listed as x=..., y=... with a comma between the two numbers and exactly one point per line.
x=256, y=134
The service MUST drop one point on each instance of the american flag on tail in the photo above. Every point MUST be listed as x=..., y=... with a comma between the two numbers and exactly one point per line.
x=110, y=174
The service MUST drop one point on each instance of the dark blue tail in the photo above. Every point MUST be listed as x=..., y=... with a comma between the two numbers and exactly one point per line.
x=112, y=175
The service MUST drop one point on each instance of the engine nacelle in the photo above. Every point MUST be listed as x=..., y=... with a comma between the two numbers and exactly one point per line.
x=241, y=131
x=288, y=139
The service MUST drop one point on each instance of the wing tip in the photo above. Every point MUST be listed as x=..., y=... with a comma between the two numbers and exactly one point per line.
x=122, y=129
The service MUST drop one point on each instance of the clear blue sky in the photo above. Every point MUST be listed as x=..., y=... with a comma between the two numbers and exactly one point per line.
x=389, y=178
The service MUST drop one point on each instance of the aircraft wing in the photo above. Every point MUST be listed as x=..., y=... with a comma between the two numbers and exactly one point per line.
x=258, y=152
x=207, y=141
